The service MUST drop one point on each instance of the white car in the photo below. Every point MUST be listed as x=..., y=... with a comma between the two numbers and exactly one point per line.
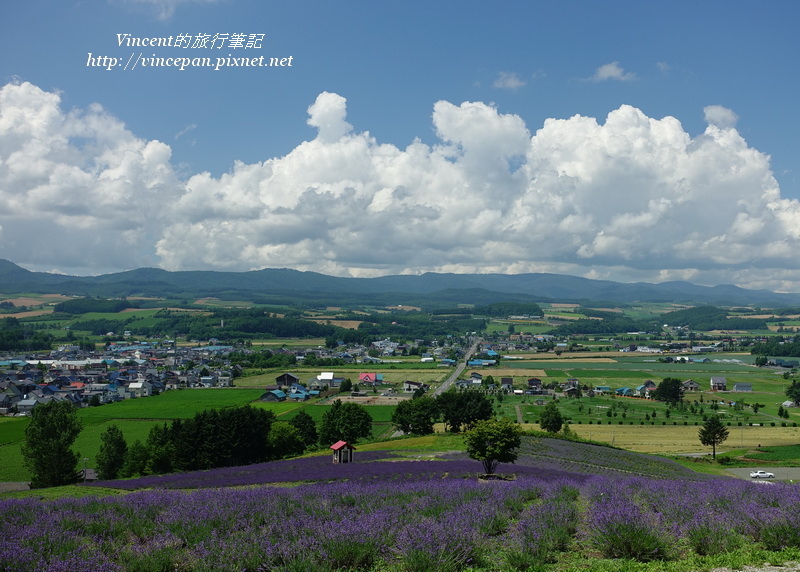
x=761, y=475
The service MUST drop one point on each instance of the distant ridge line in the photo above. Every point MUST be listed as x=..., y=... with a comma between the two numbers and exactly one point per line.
x=425, y=289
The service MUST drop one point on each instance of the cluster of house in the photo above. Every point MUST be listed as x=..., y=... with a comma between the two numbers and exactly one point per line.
x=122, y=372
x=535, y=385
x=717, y=383
x=288, y=386
x=572, y=387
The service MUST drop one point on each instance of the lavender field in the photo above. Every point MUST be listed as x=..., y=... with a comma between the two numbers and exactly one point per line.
x=396, y=515
x=554, y=458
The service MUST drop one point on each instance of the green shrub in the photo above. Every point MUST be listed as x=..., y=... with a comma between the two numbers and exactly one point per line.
x=709, y=538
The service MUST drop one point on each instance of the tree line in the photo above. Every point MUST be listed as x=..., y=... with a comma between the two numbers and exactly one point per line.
x=458, y=410
x=16, y=336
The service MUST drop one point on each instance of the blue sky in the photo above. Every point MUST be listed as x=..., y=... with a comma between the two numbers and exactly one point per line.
x=619, y=140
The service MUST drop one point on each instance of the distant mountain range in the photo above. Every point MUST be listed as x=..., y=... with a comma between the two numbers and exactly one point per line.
x=285, y=286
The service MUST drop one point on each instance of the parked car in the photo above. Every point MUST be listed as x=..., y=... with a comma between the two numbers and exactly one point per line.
x=761, y=475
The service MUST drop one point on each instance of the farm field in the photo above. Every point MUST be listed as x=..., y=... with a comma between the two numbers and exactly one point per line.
x=670, y=439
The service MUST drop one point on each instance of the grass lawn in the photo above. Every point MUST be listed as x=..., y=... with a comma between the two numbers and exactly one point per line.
x=176, y=404
x=12, y=429
x=87, y=444
x=778, y=455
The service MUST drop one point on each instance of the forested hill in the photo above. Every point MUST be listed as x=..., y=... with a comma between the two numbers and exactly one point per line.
x=283, y=285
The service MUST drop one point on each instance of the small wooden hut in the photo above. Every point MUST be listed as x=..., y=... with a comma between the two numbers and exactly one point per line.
x=342, y=452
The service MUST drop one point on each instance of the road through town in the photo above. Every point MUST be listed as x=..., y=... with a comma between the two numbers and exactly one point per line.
x=458, y=371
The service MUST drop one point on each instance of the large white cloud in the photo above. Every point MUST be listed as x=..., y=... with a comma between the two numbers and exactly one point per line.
x=628, y=198
x=79, y=190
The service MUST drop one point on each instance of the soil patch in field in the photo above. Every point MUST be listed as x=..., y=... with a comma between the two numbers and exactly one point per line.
x=574, y=357
x=347, y=324
x=30, y=314
x=45, y=299
x=508, y=372
x=369, y=400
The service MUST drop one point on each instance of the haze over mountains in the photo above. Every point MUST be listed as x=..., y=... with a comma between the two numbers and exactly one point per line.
x=429, y=289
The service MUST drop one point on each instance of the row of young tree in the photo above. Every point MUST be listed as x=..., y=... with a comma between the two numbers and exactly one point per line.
x=212, y=438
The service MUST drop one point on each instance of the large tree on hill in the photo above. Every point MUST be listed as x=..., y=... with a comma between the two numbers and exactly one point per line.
x=136, y=460
x=551, y=419
x=306, y=426
x=713, y=433
x=111, y=457
x=669, y=390
x=461, y=410
x=493, y=441
x=284, y=441
x=48, y=440
x=416, y=416
x=345, y=422
x=793, y=392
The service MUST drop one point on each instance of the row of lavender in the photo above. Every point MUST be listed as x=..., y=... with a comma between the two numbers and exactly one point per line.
x=372, y=466
x=437, y=524
x=555, y=458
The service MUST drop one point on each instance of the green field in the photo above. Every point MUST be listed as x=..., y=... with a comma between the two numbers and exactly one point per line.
x=631, y=371
x=787, y=454
x=135, y=417
x=176, y=404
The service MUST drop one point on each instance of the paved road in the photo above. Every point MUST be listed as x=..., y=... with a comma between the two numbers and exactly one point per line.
x=456, y=372
x=781, y=473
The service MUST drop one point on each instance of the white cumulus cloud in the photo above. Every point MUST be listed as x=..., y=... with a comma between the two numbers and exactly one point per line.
x=612, y=71
x=720, y=116
x=328, y=115
x=625, y=197
x=508, y=80
x=78, y=188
